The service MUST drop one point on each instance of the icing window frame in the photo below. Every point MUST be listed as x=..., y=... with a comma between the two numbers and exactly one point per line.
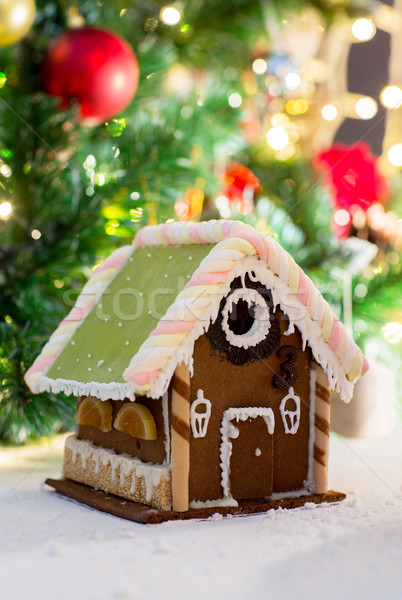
x=261, y=318
x=239, y=355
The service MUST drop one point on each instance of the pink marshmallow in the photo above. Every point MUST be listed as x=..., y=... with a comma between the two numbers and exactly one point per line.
x=255, y=240
x=302, y=292
x=167, y=328
x=336, y=334
x=39, y=365
x=207, y=279
x=366, y=365
x=193, y=232
x=143, y=378
x=165, y=234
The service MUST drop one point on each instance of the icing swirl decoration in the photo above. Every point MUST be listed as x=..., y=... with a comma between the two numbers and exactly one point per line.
x=264, y=334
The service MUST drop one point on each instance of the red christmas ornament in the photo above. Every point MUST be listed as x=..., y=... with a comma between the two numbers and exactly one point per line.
x=355, y=182
x=240, y=186
x=94, y=67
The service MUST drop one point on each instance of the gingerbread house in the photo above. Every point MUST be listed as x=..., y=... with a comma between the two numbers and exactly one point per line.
x=202, y=358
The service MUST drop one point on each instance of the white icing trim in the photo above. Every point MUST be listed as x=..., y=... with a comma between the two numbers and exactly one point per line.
x=129, y=465
x=292, y=415
x=233, y=432
x=199, y=421
x=290, y=494
x=261, y=325
x=212, y=503
x=240, y=414
x=103, y=391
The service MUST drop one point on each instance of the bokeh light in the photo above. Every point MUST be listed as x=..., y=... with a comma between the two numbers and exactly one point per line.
x=5, y=171
x=277, y=138
x=292, y=81
x=259, y=66
x=391, y=96
x=363, y=29
x=170, y=15
x=366, y=108
x=298, y=106
x=361, y=290
x=5, y=210
x=329, y=112
x=395, y=155
x=341, y=217
x=235, y=100
x=392, y=332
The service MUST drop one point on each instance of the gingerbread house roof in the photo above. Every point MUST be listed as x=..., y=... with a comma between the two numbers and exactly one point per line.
x=141, y=311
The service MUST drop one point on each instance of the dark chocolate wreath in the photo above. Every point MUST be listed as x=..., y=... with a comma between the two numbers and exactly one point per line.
x=241, y=356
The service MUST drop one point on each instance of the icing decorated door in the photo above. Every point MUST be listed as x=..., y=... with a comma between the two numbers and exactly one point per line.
x=247, y=452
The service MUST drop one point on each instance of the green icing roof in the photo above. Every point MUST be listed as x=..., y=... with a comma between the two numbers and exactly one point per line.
x=127, y=312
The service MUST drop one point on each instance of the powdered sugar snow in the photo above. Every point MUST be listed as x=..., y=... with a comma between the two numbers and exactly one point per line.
x=53, y=547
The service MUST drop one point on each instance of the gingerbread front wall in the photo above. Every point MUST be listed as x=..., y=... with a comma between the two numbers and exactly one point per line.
x=260, y=463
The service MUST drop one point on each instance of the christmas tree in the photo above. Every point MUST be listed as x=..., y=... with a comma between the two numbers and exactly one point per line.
x=235, y=100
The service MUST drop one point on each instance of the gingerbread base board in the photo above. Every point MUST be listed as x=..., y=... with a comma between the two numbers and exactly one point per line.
x=132, y=511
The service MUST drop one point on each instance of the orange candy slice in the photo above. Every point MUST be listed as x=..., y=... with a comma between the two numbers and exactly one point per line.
x=136, y=420
x=95, y=413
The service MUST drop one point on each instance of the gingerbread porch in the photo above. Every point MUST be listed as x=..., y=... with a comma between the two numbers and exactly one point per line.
x=201, y=357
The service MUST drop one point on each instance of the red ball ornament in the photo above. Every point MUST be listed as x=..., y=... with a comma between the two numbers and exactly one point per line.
x=94, y=67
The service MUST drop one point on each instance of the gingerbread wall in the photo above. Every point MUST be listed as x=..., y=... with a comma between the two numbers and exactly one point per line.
x=281, y=460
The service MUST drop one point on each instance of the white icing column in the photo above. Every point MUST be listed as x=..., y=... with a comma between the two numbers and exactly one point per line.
x=321, y=431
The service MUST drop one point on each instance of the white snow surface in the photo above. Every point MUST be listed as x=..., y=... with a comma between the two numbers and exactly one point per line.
x=51, y=547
